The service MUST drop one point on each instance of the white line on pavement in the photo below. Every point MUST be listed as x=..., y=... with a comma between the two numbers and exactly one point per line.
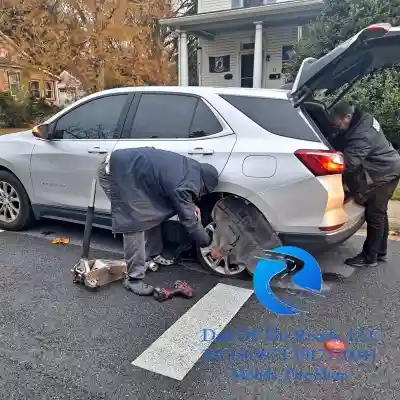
x=178, y=349
x=2, y=230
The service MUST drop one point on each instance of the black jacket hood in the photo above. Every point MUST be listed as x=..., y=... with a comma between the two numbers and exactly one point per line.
x=209, y=176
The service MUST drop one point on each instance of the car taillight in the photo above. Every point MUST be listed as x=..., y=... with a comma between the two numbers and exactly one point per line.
x=383, y=27
x=322, y=162
x=330, y=228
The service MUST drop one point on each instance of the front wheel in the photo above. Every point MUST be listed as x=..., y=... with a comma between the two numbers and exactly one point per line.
x=220, y=267
x=15, y=207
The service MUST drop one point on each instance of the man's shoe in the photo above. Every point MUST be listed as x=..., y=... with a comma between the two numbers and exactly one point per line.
x=360, y=261
x=383, y=258
x=162, y=260
x=138, y=287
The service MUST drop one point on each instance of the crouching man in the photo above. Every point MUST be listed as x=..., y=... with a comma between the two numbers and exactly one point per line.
x=147, y=186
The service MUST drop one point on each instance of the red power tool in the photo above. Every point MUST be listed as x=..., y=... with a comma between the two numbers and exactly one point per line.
x=181, y=288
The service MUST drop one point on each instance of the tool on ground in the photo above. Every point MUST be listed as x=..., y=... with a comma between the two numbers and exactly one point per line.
x=95, y=273
x=181, y=288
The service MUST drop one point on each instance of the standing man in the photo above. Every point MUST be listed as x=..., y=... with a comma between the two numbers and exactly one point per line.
x=147, y=186
x=372, y=171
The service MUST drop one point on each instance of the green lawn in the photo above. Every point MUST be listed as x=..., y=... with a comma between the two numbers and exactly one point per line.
x=396, y=194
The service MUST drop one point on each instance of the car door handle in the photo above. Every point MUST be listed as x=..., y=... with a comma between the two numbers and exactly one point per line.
x=200, y=150
x=97, y=150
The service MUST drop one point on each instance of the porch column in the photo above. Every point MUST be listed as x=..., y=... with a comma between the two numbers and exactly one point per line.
x=258, y=58
x=183, y=60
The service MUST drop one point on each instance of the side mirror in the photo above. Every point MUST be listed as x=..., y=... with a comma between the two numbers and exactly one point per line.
x=42, y=131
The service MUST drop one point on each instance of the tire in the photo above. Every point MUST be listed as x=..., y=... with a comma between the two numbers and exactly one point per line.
x=235, y=271
x=12, y=189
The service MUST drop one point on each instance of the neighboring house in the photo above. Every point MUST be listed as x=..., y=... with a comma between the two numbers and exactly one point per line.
x=243, y=43
x=70, y=89
x=17, y=76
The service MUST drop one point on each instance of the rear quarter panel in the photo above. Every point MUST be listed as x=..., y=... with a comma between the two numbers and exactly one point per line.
x=287, y=194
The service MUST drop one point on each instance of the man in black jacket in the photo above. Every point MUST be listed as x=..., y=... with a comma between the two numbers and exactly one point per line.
x=372, y=171
x=147, y=186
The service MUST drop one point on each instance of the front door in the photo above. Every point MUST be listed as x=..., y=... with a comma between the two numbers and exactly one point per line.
x=246, y=70
x=62, y=169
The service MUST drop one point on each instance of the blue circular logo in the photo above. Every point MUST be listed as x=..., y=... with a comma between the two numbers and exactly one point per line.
x=281, y=261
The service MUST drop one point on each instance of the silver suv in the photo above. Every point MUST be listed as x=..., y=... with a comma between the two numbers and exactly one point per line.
x=269, y=147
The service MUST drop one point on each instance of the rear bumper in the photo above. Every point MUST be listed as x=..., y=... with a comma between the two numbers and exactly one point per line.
x=319, y=243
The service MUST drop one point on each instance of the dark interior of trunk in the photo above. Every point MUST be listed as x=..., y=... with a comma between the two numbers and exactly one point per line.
x=319, y=114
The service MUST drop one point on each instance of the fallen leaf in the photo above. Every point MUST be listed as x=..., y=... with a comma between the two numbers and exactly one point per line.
x=60, y=241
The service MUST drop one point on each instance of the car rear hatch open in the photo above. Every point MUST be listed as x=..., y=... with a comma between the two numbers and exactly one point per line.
x=373, y=48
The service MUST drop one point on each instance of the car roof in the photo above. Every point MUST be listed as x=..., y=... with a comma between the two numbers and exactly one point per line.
x=201, y=90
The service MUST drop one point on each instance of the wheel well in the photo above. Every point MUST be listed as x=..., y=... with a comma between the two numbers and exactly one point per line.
x=2, y=168
x=207, y=204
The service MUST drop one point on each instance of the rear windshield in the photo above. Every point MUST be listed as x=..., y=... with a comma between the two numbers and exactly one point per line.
x=274, y=115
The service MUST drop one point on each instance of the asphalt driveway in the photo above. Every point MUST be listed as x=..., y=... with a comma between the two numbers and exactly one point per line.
x=60, y=341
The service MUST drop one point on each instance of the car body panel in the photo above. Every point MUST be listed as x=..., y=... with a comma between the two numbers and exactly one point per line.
x=62, y=172
x=15, y=155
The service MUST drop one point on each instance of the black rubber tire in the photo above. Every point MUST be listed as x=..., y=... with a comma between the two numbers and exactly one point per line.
x=25, y=217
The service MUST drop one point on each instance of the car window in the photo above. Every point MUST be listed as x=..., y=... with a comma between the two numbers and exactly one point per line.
x=277, y=116
x=96, y=119
x=160, y=116
x=204, y=122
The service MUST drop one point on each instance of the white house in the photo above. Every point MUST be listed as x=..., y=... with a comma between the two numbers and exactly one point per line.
x=244, y=43
x=70, y=88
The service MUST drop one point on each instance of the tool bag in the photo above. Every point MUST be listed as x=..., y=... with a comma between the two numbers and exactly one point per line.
x=242, y=232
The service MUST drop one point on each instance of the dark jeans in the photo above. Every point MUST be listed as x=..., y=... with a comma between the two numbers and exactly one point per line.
x=377, y=221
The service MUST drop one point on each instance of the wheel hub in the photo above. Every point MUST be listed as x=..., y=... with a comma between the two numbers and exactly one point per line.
x=222, y=266
x=9, y=202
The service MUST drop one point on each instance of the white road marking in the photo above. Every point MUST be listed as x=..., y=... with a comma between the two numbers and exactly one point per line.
x=2, y=230
x=178, y=349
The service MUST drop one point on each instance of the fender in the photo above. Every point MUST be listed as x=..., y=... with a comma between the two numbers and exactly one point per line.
x=242, y=231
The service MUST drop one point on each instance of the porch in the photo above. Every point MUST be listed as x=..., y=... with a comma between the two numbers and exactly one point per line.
x=243, y=47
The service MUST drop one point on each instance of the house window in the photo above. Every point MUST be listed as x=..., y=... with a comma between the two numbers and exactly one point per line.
x=49, y=91
x=14, y=82
x=34, y=89
x=250, y=3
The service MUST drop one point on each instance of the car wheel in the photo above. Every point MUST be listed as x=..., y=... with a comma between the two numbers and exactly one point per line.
x=220, y=267
x=15, y=207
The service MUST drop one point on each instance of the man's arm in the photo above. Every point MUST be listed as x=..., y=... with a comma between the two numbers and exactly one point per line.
x=186, y=210
x=356, y=150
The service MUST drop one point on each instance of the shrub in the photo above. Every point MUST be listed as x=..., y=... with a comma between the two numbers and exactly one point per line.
x=22, y=111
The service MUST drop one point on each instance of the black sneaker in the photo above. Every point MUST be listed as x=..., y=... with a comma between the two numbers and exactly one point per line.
x=360, y=261
x=138, y=287
x=383, y=258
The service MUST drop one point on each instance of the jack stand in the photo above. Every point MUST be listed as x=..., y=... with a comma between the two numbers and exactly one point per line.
x=95, y=273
